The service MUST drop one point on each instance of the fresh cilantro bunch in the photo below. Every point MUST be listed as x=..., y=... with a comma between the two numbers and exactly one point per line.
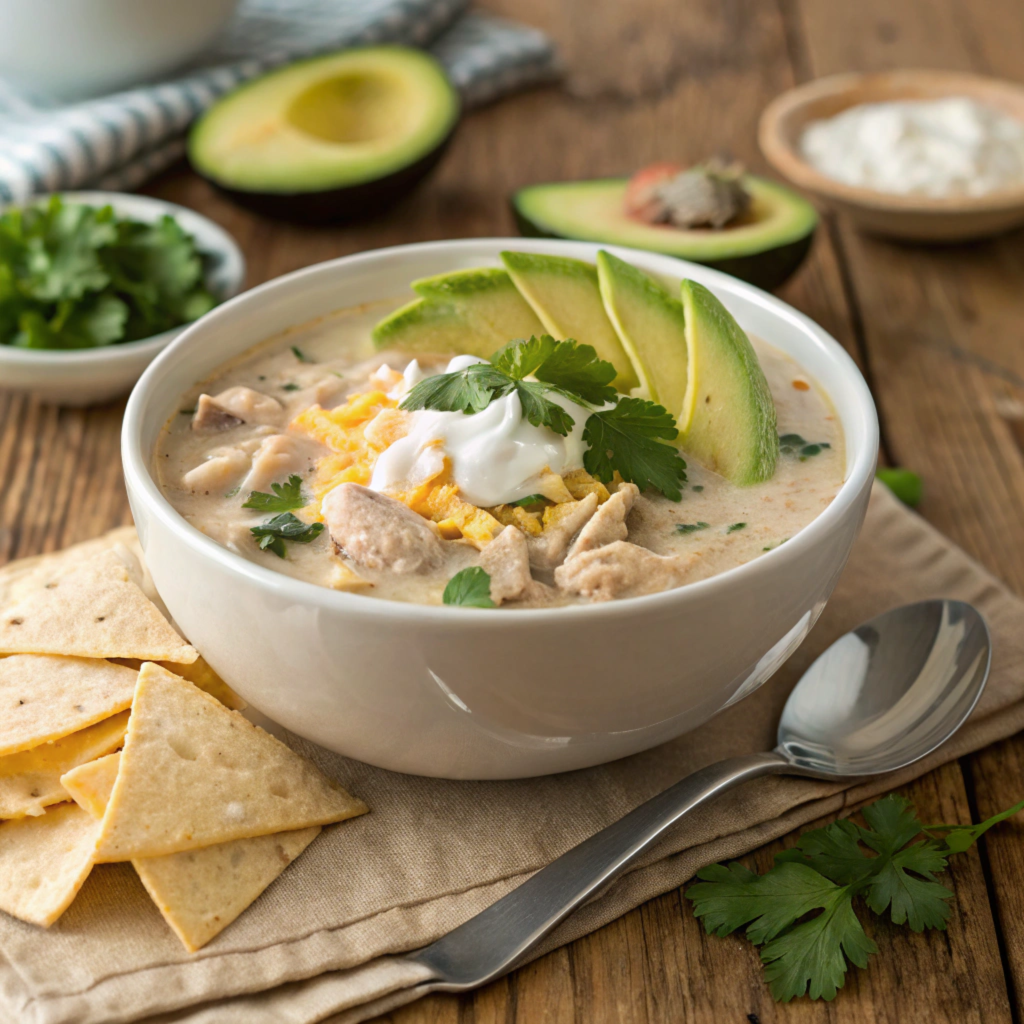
x=74, y=276
x=822, y=875
x=624, y=434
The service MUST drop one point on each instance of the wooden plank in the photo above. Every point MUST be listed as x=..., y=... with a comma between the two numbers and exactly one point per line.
x=942, y=331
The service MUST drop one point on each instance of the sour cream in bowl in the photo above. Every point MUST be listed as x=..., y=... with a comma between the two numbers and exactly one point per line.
x=403, y=498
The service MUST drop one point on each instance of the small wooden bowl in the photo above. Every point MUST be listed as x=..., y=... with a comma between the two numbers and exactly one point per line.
x=911, y=217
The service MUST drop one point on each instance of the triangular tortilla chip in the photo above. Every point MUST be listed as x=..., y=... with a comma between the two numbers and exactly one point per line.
x=200, y=673
x=94, y=611
x=44, y=861
x=199, y=892
x=44, y=697
x=91, y=784
x=194, y=774
x=30, y=779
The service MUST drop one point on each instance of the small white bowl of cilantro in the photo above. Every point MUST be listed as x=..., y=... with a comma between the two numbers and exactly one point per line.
x=93, y=285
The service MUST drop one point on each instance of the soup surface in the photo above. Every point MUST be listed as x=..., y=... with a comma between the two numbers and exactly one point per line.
x=318, y=403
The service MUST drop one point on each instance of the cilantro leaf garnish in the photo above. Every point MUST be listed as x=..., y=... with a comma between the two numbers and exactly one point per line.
x=530, y=499
x=826, y=870
x=470, y=588
x=75, y=276
x=573, y=369
x=286, y=497
x=271, y=536
x=625, y=438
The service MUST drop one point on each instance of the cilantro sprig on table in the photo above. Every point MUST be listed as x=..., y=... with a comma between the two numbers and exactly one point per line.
x=822, y=875
x=625, y=435
x=75, y=276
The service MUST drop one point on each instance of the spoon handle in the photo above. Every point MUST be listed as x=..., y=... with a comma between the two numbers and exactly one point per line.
x=492, y=943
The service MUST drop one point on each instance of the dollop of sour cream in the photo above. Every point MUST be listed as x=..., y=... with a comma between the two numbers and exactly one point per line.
x=947, y=147
x=496, y=456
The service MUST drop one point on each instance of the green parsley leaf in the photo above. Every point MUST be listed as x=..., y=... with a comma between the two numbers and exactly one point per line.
x=573, y=369
x=530, y=499
x=467, y=391
x=540, y=410
x=826, y=870
x=300, y=355
x=75, y=276
x=470, y=588
x=286, y=497
x=271, y=536
x=736, y=526
x=691, y=527
x=625, y=439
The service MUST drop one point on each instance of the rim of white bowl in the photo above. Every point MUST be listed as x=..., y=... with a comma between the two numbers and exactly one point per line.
x=210, y=238
x=137, y=470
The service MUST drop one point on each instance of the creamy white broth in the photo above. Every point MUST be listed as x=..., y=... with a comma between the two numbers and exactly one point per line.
x=206, y=476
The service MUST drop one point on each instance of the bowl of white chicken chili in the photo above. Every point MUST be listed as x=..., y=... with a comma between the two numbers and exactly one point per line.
x=498, y=508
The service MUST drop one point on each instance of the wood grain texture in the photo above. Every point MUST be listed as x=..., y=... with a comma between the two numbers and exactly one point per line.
x=937, y=332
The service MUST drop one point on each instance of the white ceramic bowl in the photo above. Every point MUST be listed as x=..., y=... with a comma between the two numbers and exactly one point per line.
x=75, y=48
x=93, y=375
x=464, y=693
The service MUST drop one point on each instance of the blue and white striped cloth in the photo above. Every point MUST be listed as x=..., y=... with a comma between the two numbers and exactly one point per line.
x=116, y=142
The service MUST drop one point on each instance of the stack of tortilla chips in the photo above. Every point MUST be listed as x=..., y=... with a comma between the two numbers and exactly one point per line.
x=208, y=808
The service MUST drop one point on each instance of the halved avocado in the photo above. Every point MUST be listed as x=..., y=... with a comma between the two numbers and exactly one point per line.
x=565, y=294
x=728, y=421
x=764, y=246
x=330, y=138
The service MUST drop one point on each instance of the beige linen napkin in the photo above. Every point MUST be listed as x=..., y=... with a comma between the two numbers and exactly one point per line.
x=316, y=945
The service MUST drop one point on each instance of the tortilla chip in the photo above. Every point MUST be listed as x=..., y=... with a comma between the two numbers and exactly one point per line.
x=91, y=784
x=93, y=611
x=30, y=780
x=194, y=774
x=199, y=892
x=44, y=861
x=200, y=673
x=44, y=697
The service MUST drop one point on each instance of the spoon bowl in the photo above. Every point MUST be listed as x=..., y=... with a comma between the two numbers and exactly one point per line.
x=888, y=692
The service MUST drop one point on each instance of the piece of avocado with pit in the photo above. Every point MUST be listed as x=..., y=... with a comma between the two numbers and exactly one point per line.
x=473, y=312
x=728, y=420
x=764, y=246
x=650, y=323
x=565, y=294
x=329, y=138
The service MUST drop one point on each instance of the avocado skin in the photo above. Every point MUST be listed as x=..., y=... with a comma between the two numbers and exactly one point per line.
x=351, y=203
x=768, y=270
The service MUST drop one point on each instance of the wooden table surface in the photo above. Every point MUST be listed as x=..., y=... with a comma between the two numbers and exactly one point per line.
x=938, y=333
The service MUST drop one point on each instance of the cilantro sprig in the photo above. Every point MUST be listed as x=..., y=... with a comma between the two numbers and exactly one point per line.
x=286, y=497
x=470, y=588
x=272, y=534
x=884, y=862
x=625, y=435
x=75, y=276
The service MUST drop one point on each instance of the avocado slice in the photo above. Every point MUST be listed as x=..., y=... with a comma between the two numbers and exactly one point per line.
x=728, y=419
x=474, y=312
x=489, y=297
x=566, y=296
x=765, y=246
x=651, y=326
x=332, y=137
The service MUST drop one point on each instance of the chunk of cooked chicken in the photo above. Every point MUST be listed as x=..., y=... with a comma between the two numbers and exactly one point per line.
x=561, y=524
x=210, y=417
x=378, y=532
x=218, y=472
x=277, y=457
x=621, y=569
x=608, y=524
x=238, y=403
x=507, y=561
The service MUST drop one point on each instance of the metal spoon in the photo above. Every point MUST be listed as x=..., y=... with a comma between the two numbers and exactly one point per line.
x=881, y=697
